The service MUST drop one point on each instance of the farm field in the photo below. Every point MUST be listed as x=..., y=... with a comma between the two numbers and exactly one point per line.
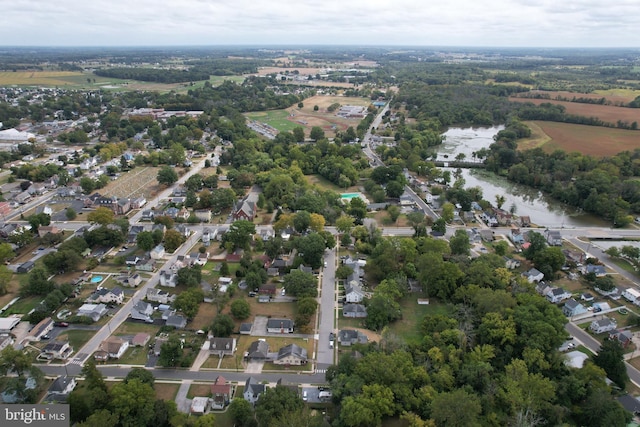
x=606, y=113
x=287, y=119
x=135, y=183
x=615, y=96
x=592, y=140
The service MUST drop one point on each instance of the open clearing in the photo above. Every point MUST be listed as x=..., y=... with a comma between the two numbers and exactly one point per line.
x=287, y=119
x=615, y=96
x=592, y=140
x=138, y=182
x=606, y=113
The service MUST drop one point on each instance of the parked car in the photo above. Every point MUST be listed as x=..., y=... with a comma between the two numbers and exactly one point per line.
x=61, y=324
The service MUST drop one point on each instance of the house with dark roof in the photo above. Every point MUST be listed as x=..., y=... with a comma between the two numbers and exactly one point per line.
x=557, y=295
x=94, y=311
x=114, y=347
x=354, y=310
x=57, y=350
x=291, y=354
x=598, y=270
x=220, y=346
x=623, y=337
x=26, y=267
x=280, y=326
x=533, y=275
x=106, y=296
x=349, y=337
x=177, y=321
x=353, y=292
x=245, y=209
x=245, y=328
x=252, y=390
x=258, y=351
x=62, y=385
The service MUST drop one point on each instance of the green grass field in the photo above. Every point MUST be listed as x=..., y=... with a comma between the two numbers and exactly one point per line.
x=76, y=338
x=24, y=305
x=412, y=314
x=275, y=118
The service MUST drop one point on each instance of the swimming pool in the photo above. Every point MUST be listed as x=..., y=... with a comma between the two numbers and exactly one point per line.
x=349, y=195
x=96, y=279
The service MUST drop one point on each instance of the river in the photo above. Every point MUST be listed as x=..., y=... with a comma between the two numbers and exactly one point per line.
x=543, y=210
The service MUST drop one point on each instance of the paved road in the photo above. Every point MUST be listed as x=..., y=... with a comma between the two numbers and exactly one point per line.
x=326, y=324
x=114, y=371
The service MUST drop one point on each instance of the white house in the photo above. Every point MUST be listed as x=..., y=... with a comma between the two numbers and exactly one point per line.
x=558, y=295
x=115, y=347
x=631, y=295
x=280, y=326
x=603, y=325
x=157, y=252
x=252, y=390
x=353, y=292
x=533, y=275
x=168, y=279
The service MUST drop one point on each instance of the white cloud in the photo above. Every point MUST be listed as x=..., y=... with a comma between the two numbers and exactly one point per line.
x=410, y=22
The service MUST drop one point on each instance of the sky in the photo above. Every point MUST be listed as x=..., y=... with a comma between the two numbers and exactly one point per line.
x=507, y=23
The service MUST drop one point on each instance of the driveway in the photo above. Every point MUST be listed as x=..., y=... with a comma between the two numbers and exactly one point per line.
x=184, y=404
x=254, y=367
x=259, y=326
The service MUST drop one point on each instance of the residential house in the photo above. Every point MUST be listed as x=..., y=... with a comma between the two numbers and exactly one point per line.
x=43, y=230
x=601, y=306
x=291, y=354
x=62, y=385
x=624, y=337
x=140, y=339
x=349, y=337
x=114, y=347
x=631, y=295
x=511, y=263
x=267, y=289
x=157, y=252
x=222, y=346
x=171, y=212
x=57, y=350
x=543, y=289
x=280, y=326
x=183, y=229
x=598, y=270
x=533, y=275
x=603, y=325
x=516, y=236
x=573, y=308
x=575, y=359
x=258, y=351
x=220, y=393
x=147, y=215
x=354, y=310
x=587, y=297
x=134, y=230
x=142, y=311
x=94, y=311
x=146, y=264
x=525, y=221
x=158, y=295
x=130, y=280
x=177, y=321
x=554, y=238
x=199, y=405
x=252, y=390
x=353, y=292
x=41, y=329
x=245, y=328
x=168, y=279
x=132, y=260
x=157, y=345
x=138, y=202
x=267, y=234
x=558, y=295
x=11, y=396
x=106, y=296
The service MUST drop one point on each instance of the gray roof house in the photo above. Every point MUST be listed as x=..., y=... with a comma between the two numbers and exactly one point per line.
x=603, y=325
x=258, y=350
x=354, y=310
x=353, y=292
x=222, y=346
x=533, y=275
x=572, y=308
x=291, y=354
x=280, y=326
x=252, y=390
x=348, y=337
x=557, y=295
x=177, y=321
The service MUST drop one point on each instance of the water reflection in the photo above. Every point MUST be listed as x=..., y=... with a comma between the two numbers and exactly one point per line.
x=543, y=210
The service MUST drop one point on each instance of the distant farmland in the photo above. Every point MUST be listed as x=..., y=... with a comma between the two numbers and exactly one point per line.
x=605, y=113
x=592, y=140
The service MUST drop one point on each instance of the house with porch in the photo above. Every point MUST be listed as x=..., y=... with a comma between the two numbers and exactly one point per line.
x=219, y=346
x=220, y=393
x=258, y=351
x=252, y=390
x=603, y=325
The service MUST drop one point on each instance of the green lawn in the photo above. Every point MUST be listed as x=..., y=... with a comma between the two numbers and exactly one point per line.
x=128, y=328
x=412, y=314
x=274, y=118
x=134, y=356
x=76, y=338
x=24, y=305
